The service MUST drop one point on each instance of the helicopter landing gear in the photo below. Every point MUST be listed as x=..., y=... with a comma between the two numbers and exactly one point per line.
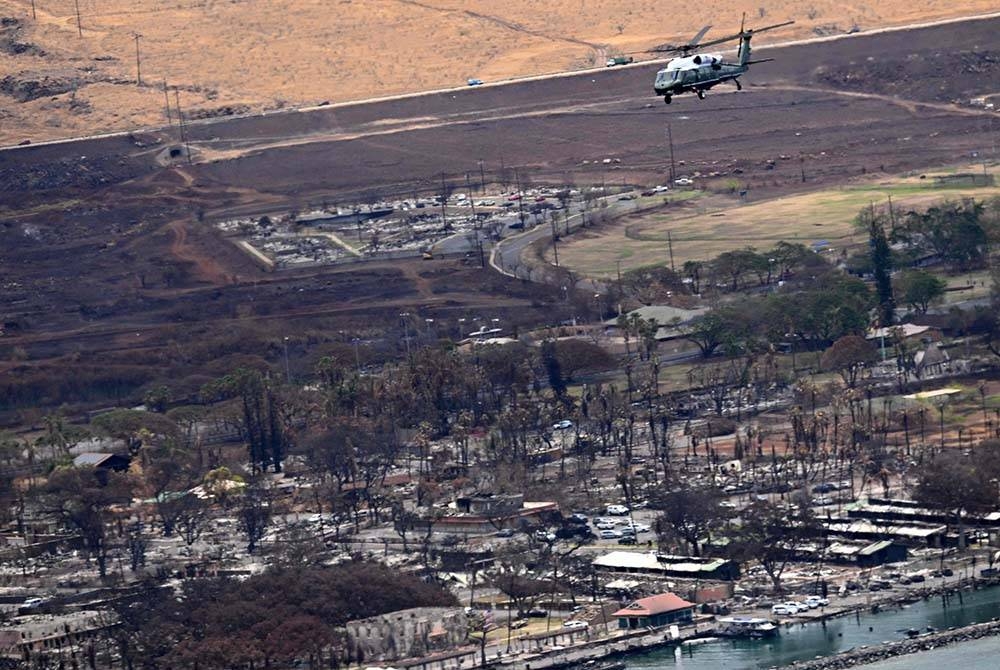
x=701, y=95
x=666, y=99
x=739, y=86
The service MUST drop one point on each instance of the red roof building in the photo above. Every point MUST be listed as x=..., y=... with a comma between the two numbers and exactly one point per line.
x=659, y=610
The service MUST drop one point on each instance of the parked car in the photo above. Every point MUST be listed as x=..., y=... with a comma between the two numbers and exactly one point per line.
x=605, y=525
x=817, y=601
x=575, y=624
x=562, y=425
x=538, y=614
x=617, y=510
x=628, y=539
x=608, y=534
x=784, y=610
x=505, y=532
x=578, y=517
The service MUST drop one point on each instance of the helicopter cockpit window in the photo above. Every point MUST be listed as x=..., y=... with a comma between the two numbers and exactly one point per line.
x=675, y=75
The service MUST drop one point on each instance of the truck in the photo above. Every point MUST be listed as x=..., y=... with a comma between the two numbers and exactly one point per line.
x=619, y=60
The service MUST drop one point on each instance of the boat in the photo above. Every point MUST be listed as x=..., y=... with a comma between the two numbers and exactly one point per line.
x=698, y=640
x=745, y=626
x=601, y=665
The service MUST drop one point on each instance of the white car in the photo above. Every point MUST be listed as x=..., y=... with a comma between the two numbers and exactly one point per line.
x=683, y=181
x=798, y=607
x=637, y=527
x=562, y=425
x=575, y=624
x=617, y=510
x=819, y=601
x=605, y=525
x=609, y=534
x=783, y=609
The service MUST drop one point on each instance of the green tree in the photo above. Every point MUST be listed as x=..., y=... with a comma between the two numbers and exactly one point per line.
x=873, y=223
x=738, y=263
x=721, y=327
x=920, y=289
x=953, y=231
x=261, y=417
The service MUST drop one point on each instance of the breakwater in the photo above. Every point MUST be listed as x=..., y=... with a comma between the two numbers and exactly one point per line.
x=862, y=656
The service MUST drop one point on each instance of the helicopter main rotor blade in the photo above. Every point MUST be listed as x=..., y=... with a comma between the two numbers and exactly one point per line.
x=684, y=48
x=772, y=27
x=680, y=48
x=697, y=38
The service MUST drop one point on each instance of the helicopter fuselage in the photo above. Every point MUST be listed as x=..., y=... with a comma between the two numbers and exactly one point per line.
x=692, y=74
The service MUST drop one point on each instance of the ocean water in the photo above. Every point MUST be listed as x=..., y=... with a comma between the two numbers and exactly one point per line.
x=802, y=642
x=981, y=654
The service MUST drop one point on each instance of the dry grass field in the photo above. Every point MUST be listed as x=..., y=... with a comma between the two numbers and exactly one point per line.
x=706, y=226
x=237, y=56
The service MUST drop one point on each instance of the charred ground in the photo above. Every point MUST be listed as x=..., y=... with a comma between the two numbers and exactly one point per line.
x=111, y=269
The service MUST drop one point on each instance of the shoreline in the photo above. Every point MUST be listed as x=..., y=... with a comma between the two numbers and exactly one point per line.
x=620, y=648
x=866, y=655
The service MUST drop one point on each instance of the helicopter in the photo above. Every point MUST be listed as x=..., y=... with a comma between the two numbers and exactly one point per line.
x=699, y=72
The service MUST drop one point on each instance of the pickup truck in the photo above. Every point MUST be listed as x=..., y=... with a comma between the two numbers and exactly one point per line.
x=619, y=60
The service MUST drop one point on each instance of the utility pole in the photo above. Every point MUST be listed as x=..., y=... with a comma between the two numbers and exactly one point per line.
x=520, y=197
x=180, y=124
x=444, y=203
x=482, y=178
x=33, y=16
x=472, y=201
x=670, y=248
x=288, y=370
x=670, y=142
x=166, y=99
x=79, y=26
x=138, y=65
x=555, y=238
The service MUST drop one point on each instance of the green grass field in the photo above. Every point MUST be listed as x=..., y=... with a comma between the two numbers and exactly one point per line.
x=710, y=224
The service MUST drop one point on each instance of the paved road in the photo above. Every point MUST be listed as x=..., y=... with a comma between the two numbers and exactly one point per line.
x=552, y=124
